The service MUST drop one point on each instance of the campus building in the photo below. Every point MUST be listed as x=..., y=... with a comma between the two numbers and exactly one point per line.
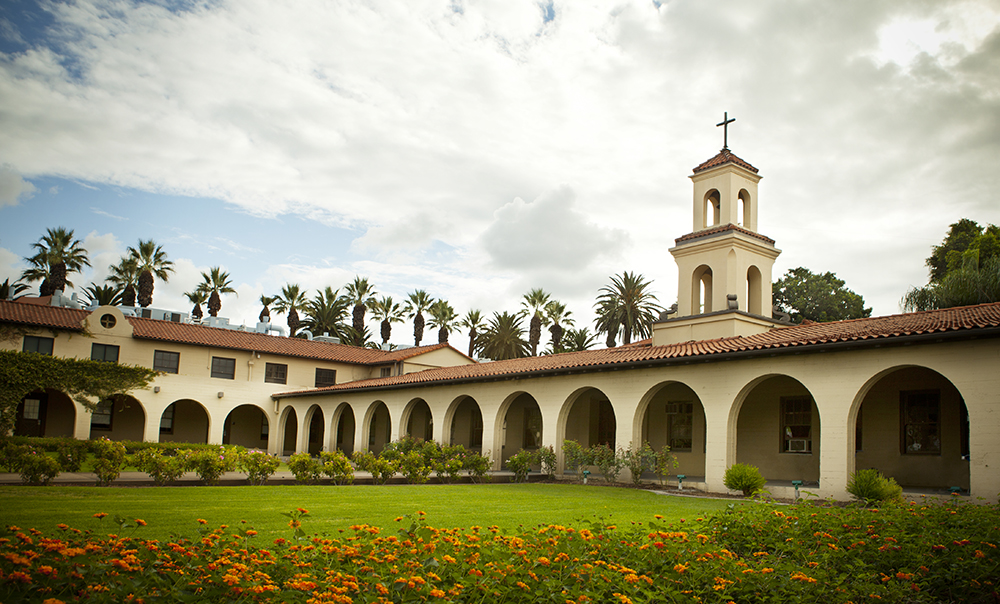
x=720, y=381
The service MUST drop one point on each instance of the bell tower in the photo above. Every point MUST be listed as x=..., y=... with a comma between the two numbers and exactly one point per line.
x=724, y=265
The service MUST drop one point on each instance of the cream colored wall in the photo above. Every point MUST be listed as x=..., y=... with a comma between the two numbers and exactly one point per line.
x=728, y=181
x=729, y=255
x=442, y=357
x=759, y=433
x=655, y=425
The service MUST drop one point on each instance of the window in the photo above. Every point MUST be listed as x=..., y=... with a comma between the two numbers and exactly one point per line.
x=920, y=413
x=325, y=377
x=532, y=428
x=796, y=424
x=385, y=372
x=108, y=321
x=263, y=427
x=32, y=408
x=680, y=426
x=167, y=420
x=101, y=418
x=105, y=353
x=224, y=368
x=275, y=373
x=39, y=345
x=166, y=361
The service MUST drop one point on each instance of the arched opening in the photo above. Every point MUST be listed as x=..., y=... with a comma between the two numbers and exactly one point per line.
x=120, y=417
x=379, y=427
x=673, y=416
x=246, y=426
x=343, y=421
x=521, y=427
x=744, y=209
x=315, y=430
x=45, y=413
x=289, y=426
x=778, y=431
x=466, y=427
x=589, y=419
x=912, y=424
x=184, y=421
x=713, y=203
x=701, y=290
x=418, y=421
x=754, y=291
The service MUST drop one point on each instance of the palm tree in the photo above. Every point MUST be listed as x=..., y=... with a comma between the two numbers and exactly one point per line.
x=57, y=255
x=265, y=312
x=361, y=338
x=152, y=262
x=360, y=292
x=125, y=275
x=442, y=318
x=290, y=301
x=196, y=297
x=11, y=291
x=326, y=313
x=577, y=340
x=416, y=303
x=504, y=337
x=473, y=321
x=216, y=282
x=627, y=304
x=388, y=312
x=557, y=315
x=103, y=295
x=534, y=305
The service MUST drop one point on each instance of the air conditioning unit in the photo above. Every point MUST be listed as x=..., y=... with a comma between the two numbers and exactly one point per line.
x=798, y=445
x=673, y=408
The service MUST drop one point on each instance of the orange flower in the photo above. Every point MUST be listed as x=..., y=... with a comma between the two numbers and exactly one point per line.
x=302, y=511
x=202, y=521
x=140, y=522
x=100, y=515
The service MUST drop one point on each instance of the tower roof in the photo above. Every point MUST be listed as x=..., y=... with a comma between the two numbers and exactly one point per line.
x=724, y=157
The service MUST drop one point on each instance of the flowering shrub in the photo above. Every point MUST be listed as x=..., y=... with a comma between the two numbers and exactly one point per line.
x=608, y=461
x=379, y=467
x=336, y=465
x=161, y=468
x=108, y=461
x=259, y=466
x=743, y=477
x=71, y=454
x=449, y=462
x=547, y=460
x=211, y=464
x=639, y=460
x=305, y=467
x=576, y=456
x=751, y=553
x=36, y=467
x=520, y=464
x=478, y=466
x=413, y=466
x=663, y=463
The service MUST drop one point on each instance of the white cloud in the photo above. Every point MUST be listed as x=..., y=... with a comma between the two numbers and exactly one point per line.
x=13, y=188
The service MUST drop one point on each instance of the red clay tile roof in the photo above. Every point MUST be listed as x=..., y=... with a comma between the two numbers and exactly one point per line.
x=722, y=229
x=42, y=316
x=968, y=318
x=724, y=157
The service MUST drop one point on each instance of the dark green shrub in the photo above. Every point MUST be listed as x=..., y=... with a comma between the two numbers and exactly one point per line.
x=575, y=456
x=210, y=465
x=10, y=455
x=305, y=467
x=871, y=486
x=449, y=463
x=259, y=466
x=161, y=468
x=109, y=457
x=639, y=460
x=520, y=464
x=71, y=453
x=381, y=468
x=608, y=461
x=336, y=465
x=478, y=466
x=413, y=466
x=547, y=459
x=37, y=468
x=744, y=477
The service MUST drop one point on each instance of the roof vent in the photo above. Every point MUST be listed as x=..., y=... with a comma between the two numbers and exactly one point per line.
x=327, y=338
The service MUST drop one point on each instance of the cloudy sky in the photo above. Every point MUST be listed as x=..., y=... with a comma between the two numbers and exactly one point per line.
x=480, y=148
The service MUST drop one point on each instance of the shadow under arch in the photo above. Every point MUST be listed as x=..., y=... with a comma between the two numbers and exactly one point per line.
x=587, y=417
x=120, y=417
x=377, y=427
x=518, y=426
x=671, y=414
x=315, y=429
x=46, y=412
x=288, y=427
x=417, y=421
x=911, y=423
x=246, y=426
x=342, y=428
x=463, y=423
x=774, y=424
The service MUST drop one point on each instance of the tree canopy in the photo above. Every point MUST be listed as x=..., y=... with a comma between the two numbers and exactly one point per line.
x=88, y=382
x=817, y=297
x=964, y=269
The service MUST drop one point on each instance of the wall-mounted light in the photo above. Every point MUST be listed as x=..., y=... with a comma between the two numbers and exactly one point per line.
x=221, y=394
x=156, y=388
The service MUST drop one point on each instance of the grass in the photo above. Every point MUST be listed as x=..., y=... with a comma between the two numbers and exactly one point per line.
x=174, y=510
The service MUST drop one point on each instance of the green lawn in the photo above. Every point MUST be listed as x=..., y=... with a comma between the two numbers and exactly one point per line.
x=174, y=510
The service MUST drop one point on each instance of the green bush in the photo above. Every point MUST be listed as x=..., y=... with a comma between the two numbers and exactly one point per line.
x=413, y=466
x=11, y=454
x=872, y=487
x=520, y=464
x=161, y=468
x=547, y=459
x=449, y=463
x=336, y=465
x=478, y=466
x=744, y=477
x=663, y=463
x=109, y=457
x=608, y=461
x=211, y=464
x=71, y=453
x=305, y=467
x=37, y=468
x=639, y=460
x=259, y=466
x=381, y=468
x=575, y=456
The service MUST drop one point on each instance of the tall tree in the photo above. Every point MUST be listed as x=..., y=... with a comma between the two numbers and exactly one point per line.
x=215, y=283
x=57, y=254
x=151, y=261
x=534, y=305
x=962, y=236
x=103, y=295
x=12, y=291
x=417, y=302
x=627, y=303
x=442, y=318
x=125, y=275
x=473, y=321
x=964, y=269
x=814, y=297
x=557, y=315
x=290, y=301
x=387, y=312
x=360, y=292
x=265, y=311
x=196, y=297
x=577, y=340
x=326, y=313
x=504, y=337
x=607, y=321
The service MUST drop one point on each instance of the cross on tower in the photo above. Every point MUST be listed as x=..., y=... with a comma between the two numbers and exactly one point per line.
x=725, y=129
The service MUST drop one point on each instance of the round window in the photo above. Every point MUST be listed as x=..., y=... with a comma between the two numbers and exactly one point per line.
x=108, y=321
